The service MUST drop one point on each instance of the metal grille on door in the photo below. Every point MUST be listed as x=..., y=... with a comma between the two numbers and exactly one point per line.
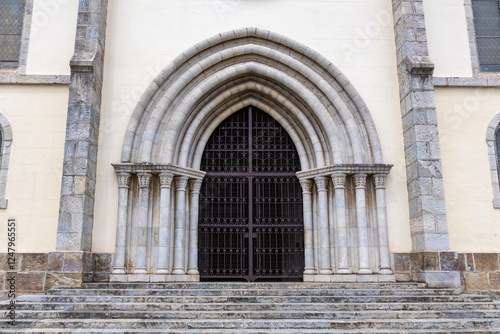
x=251, y=224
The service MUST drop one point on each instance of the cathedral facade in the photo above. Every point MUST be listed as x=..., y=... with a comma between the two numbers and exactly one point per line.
x=185, y=141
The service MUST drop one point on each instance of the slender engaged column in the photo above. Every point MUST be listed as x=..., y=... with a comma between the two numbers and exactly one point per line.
x=341, y=224
x=324, y=234
x=194, y=188
x=141, y=228
x=308, y=227
x=164, y=229
x=180, y=214
x=383, y=236
x=364, y=256
x=121, y=226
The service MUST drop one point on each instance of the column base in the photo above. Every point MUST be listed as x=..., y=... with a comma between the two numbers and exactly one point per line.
x=139, y=271
x=364, y=271
x=353, y=278
x=309, y=271
x=344, y=271
x=119, y=271
x=325, y=272
x=385, y=272
x=193, y=271
x=153, y=278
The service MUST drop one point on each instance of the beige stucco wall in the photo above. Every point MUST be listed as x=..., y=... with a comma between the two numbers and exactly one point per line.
x=447, y=37
x=463, y=117
x=357, y=36
x=52, y=37
x=37, y=115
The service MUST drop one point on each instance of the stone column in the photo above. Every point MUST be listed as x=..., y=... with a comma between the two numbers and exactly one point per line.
x=364, y=255
x=341, y=224
x=194, y=187
x=324, y=233
x=140, y=230
x=121, y=226
x=308, y=227
x=164, y=228
x=428, y=222
x=179, y=242
x=383, y=234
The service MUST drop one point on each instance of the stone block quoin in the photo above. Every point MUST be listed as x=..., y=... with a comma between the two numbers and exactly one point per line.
x=74, y=232
x=428, y=222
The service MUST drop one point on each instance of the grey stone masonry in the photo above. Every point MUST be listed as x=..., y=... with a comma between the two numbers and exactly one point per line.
x=428, y=223
x=76, y=211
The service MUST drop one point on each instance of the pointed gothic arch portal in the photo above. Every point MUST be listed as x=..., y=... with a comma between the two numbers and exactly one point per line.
x=251, y=222
x=337, y=158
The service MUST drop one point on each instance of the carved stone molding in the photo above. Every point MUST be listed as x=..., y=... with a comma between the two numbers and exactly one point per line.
x=321, y=183
x=144, y=179
x=348, y=169
x=338, y=180
x=306, y=186
x=181, y=183
x=379, y=181
x=360, y=180
x=159, y=168
x=166, y=180
x=195, y=186
x=123, y=179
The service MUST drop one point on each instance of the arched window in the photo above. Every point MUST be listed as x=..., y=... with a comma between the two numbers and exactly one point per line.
x=493, y=141
x=5, y=147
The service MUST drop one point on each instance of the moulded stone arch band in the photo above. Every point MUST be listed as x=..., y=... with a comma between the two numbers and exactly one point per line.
x=177, y=118
x=291, y=110
x=287, y=119
x=305, y=160
x=343, y=127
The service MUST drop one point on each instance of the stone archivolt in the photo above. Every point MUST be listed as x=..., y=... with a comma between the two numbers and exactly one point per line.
x=314, y=102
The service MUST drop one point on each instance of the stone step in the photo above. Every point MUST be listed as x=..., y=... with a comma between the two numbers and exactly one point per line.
x=250, y=331
x=254, y=285
x=254, y=292
x=267, y=324
x=252, y=299
x=275, y=315
x=36, y=306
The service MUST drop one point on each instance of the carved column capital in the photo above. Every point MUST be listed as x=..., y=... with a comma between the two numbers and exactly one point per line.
x=321, y=183
x=379, y=181
x=181, y=183
x=195, y=186
x=144, y=179
x=306, y=186
x=166, y=180
x=123, y=179
x=338, y=180
x=360, y=180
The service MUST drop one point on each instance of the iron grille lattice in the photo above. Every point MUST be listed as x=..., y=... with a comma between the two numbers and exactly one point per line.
x=487, y=26
x=11, y=28
x=251, y=224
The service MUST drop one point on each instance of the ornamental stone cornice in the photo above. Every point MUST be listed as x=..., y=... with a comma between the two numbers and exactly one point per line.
x=348, y=169
x=159, y=168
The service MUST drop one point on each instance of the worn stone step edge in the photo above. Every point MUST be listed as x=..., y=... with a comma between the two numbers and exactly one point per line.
x=258, y=299
x=240, y=315
x=256, y=292
x=256, y=307
x=262, y=285
x=249, y=331
x=264, y=324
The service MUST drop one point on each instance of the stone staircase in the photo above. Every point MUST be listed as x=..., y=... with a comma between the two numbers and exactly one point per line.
x=254, y=308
